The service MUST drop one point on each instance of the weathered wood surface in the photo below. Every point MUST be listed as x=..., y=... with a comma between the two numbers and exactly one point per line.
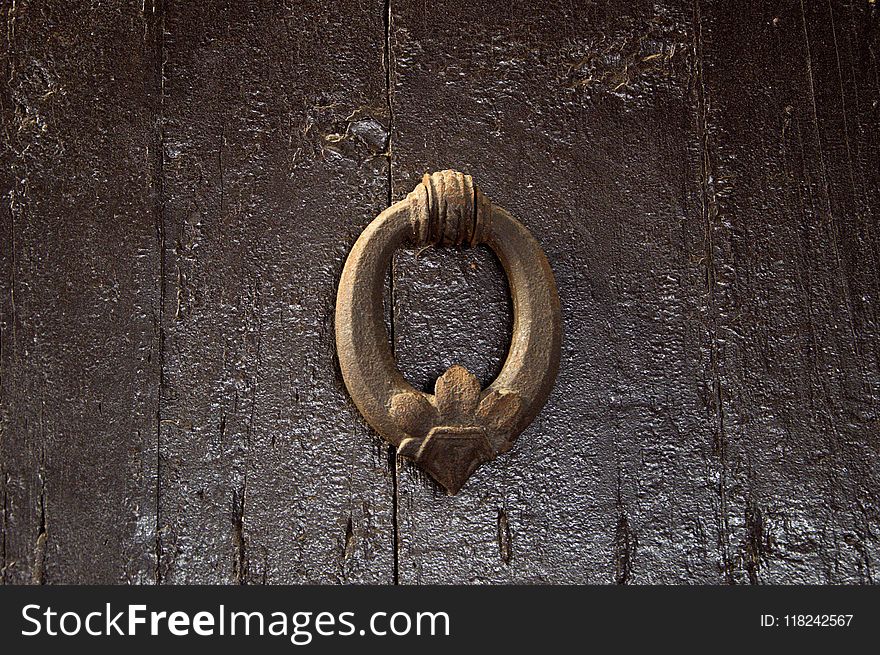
x=80, y=347
x=273, y=161
x=699, y=177
x=612, y=481
x=181, y=183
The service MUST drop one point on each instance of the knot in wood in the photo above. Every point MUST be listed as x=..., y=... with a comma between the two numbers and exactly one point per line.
x=448, y=209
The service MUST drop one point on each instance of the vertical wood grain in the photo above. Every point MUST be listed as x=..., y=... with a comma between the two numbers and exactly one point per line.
x=791, y=188
x=580, y=121
x=79, y=306
x=275, y=138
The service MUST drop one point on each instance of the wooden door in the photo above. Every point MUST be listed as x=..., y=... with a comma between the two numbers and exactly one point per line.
x=182, y=182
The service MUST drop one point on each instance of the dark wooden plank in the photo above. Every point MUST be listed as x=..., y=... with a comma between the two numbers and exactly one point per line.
x=791, y=185
x=275, y=140
x=80, y=260
x=580, y=120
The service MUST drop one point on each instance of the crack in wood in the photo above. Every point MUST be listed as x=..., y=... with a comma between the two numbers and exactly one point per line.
x=710, y=213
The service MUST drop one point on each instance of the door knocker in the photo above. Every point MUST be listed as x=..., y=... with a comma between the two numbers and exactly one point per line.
x=450, y=433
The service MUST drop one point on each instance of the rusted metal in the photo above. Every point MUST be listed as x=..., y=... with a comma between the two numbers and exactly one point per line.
x=451, y=432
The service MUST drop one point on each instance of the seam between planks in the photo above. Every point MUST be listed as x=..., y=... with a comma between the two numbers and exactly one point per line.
x=389, y=101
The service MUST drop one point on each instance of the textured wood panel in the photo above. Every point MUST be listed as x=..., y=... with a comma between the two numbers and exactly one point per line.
x=701, y=178
x=790, y=192
x=579, y=121
x=274, y=137
x=80, y=268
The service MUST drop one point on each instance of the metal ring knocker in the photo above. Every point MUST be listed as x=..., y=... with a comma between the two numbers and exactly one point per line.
x=450, y=433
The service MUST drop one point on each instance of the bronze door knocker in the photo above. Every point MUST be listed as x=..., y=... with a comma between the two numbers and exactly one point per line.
x=450, y=433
